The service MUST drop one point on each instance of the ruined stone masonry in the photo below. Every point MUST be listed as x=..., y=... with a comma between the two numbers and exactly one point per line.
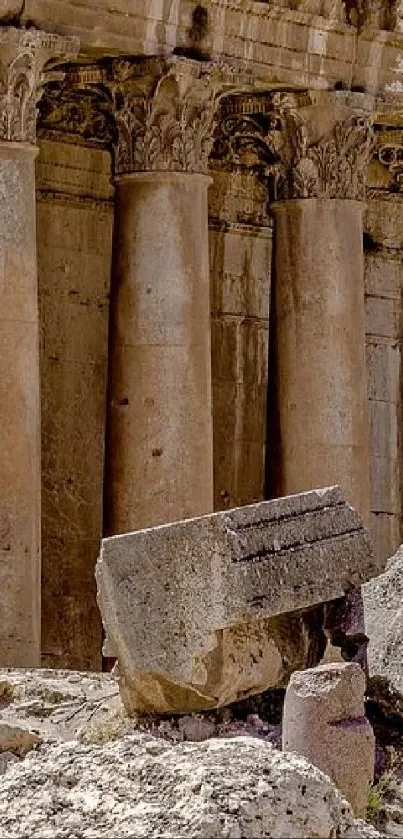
x=201, y=233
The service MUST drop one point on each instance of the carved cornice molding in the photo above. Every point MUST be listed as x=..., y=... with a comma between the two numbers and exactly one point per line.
x=322, y=150
x=27, y=61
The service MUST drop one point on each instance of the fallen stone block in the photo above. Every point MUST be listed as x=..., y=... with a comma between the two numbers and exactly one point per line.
x=209, y=610
x=324, y=721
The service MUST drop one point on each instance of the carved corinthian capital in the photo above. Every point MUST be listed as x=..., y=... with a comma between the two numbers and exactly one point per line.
x=165, y=113
x=322, y=149
x=23, y=58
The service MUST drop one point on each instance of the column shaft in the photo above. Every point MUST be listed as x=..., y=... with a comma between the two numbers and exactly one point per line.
x=322, y=400
x=20, y=411
x=159, y=441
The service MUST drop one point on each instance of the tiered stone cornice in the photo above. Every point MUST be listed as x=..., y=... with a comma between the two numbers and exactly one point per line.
x=27, y=59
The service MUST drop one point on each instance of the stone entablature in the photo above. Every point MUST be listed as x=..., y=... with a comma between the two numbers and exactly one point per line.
x=310, y=44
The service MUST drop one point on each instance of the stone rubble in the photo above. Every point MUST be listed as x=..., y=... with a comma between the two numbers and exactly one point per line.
x=143, y=787
x=383, y=605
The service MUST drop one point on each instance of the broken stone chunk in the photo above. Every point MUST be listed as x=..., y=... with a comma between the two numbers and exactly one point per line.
x=17, y=740
x=209, y=610
x=324, y=721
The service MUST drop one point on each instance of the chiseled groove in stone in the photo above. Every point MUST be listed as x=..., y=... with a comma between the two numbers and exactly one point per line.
x=295, y=546
x=284, y=517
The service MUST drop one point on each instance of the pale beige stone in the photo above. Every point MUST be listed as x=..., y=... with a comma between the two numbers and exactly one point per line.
x=322, y=400
x=240, y=269
x=384, y=621
x=17, y=740
x=324, y=721
x=302, y=44
x=180, y=652
x=159, y=444
x=74, y=221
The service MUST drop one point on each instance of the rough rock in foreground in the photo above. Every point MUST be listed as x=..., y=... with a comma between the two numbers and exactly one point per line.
x=146, y=787
x=383, y=604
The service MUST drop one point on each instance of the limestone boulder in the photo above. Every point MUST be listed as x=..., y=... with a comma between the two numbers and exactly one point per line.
x=203, y=612
x=146, y=787
x=383, y=608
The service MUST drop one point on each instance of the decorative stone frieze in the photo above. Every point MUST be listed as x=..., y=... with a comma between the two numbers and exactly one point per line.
x=77, y=115
x=239, y=158
x=322, y=150
x=24, y=55
x=389, y=153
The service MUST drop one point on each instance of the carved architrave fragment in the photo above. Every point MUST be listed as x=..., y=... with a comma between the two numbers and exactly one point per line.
x=239, y=158
x=27, y=61
x=322, y=150
x=389, y=153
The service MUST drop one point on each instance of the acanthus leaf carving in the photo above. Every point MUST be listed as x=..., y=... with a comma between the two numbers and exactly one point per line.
x=23, y=74
x=318, y=161
x=165, y=112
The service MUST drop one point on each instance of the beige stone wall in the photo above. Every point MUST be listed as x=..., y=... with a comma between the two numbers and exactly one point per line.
x=74, y=217
x=383, y=283
x=302, y=43
x=240, y=271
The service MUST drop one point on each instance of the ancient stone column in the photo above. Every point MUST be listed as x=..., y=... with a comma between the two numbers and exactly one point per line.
x=159, y=463
x=23, y=55
x=319, y=295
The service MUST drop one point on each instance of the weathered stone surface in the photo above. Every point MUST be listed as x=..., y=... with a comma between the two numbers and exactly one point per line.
x=324, y=721
x=383, y=605
x=305, y=43
x=145, y=787
x=17, y=740
x=74, y=234
x=184, y=605
x=321, y=349
x=160, y=435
